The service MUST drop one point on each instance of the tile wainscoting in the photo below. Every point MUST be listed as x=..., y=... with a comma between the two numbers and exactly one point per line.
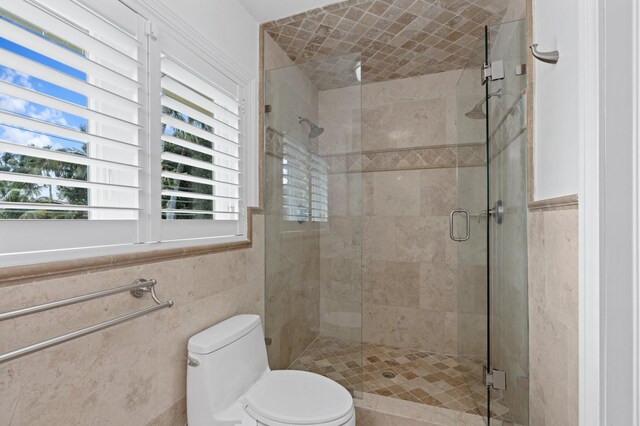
x=131, y=374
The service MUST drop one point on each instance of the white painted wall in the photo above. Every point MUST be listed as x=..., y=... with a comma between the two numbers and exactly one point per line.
x=556, y=127
x=268, y=10
x=226, y=24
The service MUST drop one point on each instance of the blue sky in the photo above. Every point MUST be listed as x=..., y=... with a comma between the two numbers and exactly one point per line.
x=33, y=110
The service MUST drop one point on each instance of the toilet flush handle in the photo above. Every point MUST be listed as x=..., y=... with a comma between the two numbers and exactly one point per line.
x=192, y=362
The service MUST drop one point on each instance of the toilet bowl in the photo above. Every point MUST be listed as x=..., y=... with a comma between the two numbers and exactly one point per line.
x=229, y=383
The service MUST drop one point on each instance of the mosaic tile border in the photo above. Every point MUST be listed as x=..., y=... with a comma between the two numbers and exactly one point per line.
x=425, y=157
x=416, y=158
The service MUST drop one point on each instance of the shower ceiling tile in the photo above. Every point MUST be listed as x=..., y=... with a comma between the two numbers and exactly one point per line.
x=396, y=38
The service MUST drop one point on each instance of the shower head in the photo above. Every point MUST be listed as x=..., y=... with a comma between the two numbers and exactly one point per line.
x=315, y=131
x=477, y=113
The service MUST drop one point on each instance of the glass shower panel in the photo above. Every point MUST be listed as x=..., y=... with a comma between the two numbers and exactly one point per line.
x=313, y=219
x=508, y=311
x=472, y=252
x=491, y=224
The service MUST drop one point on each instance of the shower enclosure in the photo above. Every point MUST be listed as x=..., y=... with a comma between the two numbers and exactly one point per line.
x=492, y=218
x=396, y=257
x=313, y=216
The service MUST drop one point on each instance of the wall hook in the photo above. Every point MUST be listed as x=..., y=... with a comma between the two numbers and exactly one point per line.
x=548, y=57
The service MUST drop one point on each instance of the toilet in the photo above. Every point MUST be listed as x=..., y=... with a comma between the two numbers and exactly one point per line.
x=229, y=383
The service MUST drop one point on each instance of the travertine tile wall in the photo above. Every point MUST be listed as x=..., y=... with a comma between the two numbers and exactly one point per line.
x=131, y=374
x=553, y=320
x=341, y=240
x=408, y=261
x=292, y=288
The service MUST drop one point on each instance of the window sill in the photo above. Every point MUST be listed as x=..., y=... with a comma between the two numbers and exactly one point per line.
x=41, y=271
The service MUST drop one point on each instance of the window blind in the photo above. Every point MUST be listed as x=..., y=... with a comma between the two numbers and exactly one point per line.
x=295, y=180
x=69, y=114
x=201, y=155
x=104, y=128
x=319, y=189
x=304, y=183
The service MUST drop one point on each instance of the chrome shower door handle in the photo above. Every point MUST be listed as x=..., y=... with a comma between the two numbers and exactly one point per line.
x=468, y=227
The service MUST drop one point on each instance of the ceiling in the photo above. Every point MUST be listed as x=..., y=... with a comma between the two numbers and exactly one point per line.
x=397, y=38
x=269, y=10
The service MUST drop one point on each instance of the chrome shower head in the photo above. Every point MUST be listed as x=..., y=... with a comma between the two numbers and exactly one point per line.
x=477, y=113
x=315, y=131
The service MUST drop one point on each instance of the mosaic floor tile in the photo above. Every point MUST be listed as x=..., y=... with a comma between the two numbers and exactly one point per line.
x=408, y=374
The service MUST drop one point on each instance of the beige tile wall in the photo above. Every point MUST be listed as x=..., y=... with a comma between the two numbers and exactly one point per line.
x=553, y=307
x=292, y=288
x=341, y=239
x=408, y=261
x=131, y=374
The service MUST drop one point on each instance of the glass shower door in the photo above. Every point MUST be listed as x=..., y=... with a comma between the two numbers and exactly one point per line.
x=490, y=225
x=507, y=171
x=469, y=228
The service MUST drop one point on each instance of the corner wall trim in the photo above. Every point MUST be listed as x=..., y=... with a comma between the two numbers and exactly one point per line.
x=554, y=203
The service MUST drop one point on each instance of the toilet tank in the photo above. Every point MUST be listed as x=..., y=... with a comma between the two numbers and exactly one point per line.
x=232, y=356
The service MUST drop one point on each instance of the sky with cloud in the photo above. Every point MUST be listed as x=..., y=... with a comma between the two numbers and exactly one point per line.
x=26, y=137
x=34, y=110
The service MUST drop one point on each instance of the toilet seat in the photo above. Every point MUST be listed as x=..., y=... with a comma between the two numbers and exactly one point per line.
x=289, y=397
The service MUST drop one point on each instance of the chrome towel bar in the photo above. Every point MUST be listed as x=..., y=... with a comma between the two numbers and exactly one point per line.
x=79, y=333
x=137, y=289
x=136, y=285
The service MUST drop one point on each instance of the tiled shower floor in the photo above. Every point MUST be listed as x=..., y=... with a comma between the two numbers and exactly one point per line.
x=418, y=376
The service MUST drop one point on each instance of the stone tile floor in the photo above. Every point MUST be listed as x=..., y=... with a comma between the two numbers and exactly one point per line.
x=410, y=374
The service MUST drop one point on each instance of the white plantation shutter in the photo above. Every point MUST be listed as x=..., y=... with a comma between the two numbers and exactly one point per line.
x=118, y=134
x=304, y=183
x=319, y=189
x=70, y=107
x=295, y=180
x=201, y=155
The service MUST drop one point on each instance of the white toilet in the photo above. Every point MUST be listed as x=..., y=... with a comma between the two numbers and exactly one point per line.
x=229, y=383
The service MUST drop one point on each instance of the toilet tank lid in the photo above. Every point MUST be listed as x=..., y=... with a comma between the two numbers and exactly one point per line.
x=223, y=333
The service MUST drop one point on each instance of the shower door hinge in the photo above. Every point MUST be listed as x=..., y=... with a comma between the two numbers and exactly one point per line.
x=493, y=71
x=495, y=379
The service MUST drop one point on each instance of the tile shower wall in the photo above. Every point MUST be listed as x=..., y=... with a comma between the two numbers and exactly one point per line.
x=131, y=374
x=341, y=241
x=292, y=292
x=408, y=260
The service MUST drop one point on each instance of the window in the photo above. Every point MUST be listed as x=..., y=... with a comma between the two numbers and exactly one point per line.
x=304, y=183
x=200, y=154
x=107, y=138
x=69, y=127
